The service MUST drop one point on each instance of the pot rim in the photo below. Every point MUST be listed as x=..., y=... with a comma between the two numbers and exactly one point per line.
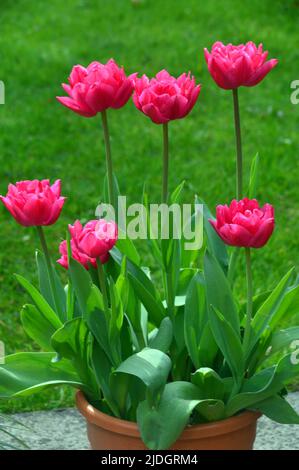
x=197, y=431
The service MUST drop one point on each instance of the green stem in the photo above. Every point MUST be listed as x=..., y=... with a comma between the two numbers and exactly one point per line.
x=102, y=282
x=108, y=157
x=49, y=267
x=247, y=334
x=165, y=163
x=239, y=160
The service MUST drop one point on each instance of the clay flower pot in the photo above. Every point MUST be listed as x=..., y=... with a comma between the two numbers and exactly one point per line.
x=108, y=433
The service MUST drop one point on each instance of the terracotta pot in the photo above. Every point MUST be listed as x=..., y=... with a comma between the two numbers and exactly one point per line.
x=108, y=433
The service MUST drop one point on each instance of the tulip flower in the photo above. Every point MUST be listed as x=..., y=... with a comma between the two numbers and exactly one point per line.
x=244, y=223
x=165, y=98
x=234, y=66
x=95, y=89
x=79, y=256
x=96, y=238
x=91, y=243
x=34, y=203
x=37, y=203
x=78, y=233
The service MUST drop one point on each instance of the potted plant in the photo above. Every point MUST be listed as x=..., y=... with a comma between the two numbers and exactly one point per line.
x=170, y=360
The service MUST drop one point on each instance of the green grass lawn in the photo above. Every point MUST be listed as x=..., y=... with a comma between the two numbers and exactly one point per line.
x=40, y=42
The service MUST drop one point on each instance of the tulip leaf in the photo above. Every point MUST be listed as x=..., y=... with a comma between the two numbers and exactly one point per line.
x=253, y=179
x=196, y=317
x=219, y=292
x=229, y=343
x=211, y=410
x=163, y=337
x=211, y=385
x=283, y=339
x=102, y=367
x=116, y=193
x=71, y=341
x=160, y=427
x=28, y=372
x=81, y=282
x=46, y=311
x=37, y=326
x=46, y=288
x=268, y=309
x=214, y=243
x=278, y=409
x=151, y=366
x=126, y=246
x=176, y=194
x=264, y=384
x=144, y=289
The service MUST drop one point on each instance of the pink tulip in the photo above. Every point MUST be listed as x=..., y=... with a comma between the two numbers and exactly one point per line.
x=34, y=203
x=234, y=66
x=164, y=97
x=96, y=88
x=243, y=223
x=79, y=256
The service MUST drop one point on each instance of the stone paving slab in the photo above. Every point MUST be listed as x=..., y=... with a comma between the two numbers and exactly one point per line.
x=65, y=430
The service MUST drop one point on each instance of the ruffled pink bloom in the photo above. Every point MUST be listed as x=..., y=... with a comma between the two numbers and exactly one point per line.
x=164, y=97
x=98, y=87
x=34, y=203
x=243, y=223
x=234, y=66
x=90, y=242
x=79, y=256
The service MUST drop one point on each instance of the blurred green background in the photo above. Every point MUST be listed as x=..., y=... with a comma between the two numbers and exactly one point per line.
x=40, y=42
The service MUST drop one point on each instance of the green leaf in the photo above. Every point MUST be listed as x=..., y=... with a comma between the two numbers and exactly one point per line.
x=40, y=302
x=81, y=282
x=229, y=343
x=45, y=285
x=211, y=410
x=191, y=244
x=144, y=289
x=151, y=366
x=211, y=385
x=196, y=317
x=102, y=367
x=253, y=179
x=264, y=384
x=37, y=326
x=219, y=292
x=268, y=309
x=126, y=246
x=163, y=337
x=176, y=194
x=115, y=320
x=151, y=240
x=278, y=409
x=116, y=192
x=160, y=427
x=283, y=339
x=215, y=245
x=28, y=372
x=185, y=277
x=71, y=341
